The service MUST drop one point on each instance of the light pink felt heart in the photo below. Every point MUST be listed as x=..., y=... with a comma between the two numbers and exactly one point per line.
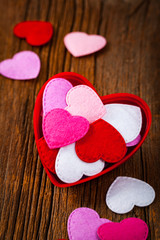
x=61, y=129
x=128, y=229
x=54, y=95
x=81, y=44
x=24, y=65
x=83, y=101
x=83, y=223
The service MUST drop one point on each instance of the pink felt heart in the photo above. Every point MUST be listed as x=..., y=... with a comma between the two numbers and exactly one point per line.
x=61, y=129
x=83, y=101
x=134, y=142
x=81, y=44
x=54, y=95
x=83, y=223
x=128, y=229
x=24, y=65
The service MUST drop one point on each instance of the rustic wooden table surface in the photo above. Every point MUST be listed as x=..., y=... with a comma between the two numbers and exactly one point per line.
x=30, y=206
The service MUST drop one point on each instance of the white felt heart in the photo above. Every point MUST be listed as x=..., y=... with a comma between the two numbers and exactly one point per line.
x=126, y=192
x=127, y=119
x=69, y=168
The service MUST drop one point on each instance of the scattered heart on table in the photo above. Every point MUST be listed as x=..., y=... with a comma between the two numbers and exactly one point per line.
x=84, y=101
x=80, y=44
x=101, y=141
x=69, y=168
x=127, y=119
x=61, y=129
x=24, y=65
x=83, y=223
x=126, y=192
x=128, y=229
x=36, y=33
x=55, y=94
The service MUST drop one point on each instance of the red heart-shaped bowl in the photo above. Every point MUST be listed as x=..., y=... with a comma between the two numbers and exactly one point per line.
x=48, y=156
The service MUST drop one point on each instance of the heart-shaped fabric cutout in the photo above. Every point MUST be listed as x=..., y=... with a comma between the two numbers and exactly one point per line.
x=24, y=65
x=127, y=119
x=134, y=142
x=69, y=168
x=128, y=229
x=54, y=95
x=101, y=141
x=83, y=101
x=83, y=223
x=81, y=44
x=46, y=154
x=126, y=192
x=61, y=129
x=36, y=33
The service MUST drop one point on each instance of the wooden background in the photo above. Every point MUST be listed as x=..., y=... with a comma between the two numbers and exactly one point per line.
x=30, y=206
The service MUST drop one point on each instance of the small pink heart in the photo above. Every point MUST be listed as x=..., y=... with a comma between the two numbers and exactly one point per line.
x=134, y=142
x=83, y=223
x=130, y=228
x=24, y=65
x=61, y=129
x=81, y=44
x=85, y=102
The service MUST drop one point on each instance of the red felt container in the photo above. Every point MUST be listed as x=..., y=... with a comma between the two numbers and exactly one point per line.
x=48, y=156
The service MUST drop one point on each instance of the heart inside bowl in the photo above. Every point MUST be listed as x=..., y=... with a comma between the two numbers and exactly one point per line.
x=46, y=154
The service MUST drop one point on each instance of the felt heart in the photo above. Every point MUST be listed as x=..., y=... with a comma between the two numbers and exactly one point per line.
x=81, y=44
x=36, y=33
x=46, y=154
x=54, y=95
x=83, y=101
x=83, y=223
x=134, y=142
x=126, y=192
x=61, y=129
x=69, y=168
x=122, y=98
x=24, y=65
x=127, y=119
x=128, y=229
x=101, y=141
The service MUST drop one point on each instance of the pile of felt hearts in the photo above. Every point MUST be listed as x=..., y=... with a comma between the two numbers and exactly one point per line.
x=85, y=223
x=122, y=195
x=25, y=65
x=80, y=135
x=87, y=134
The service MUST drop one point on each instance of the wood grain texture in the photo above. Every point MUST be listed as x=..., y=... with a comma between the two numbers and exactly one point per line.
x=30, y=206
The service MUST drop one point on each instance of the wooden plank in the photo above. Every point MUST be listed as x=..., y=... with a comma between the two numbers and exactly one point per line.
x=30, y=206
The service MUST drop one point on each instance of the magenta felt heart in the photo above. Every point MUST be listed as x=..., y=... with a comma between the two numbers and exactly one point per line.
x=128, y=229
x=24, y=65
x=81, y=44
x=83, y=223
x=61, y=129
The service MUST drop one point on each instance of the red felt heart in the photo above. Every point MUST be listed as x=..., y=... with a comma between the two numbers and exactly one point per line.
x=125, y=98
x=36, y=33
x=46, y=154
x=102, y=141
